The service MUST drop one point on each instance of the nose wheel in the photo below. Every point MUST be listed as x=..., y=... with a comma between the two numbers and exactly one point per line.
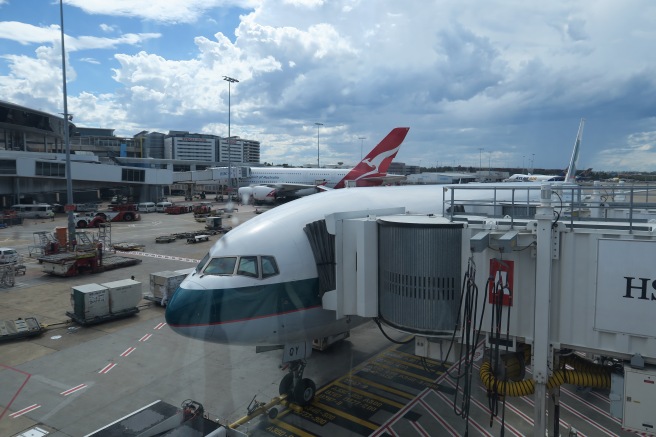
x=298, y=389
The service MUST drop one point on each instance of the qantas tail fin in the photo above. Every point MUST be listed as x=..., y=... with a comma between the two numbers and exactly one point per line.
x=570, y=176
x=373, y=166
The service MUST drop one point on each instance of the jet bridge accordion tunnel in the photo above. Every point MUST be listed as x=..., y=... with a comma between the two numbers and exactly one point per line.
x=403, y=269
x=419, y=272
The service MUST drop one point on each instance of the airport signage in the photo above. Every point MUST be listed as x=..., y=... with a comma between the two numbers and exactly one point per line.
x=626, y=287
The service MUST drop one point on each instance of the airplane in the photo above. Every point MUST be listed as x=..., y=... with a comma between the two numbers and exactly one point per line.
x=268, y=184
x=570, y=173
x=259, y=284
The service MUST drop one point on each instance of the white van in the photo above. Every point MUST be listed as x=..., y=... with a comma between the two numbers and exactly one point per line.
x=36, y=210
x=146, y=207
x=161, y=206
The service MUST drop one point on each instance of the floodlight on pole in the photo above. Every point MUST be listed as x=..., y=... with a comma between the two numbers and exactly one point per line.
x=69, y=178
x=230, y=81
x=318, y=126
x=361, y=142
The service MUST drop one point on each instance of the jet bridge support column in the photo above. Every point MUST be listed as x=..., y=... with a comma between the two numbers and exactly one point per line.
x=542, y=351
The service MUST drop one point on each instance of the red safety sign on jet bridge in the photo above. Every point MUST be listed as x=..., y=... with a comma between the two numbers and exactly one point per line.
x=502, y=272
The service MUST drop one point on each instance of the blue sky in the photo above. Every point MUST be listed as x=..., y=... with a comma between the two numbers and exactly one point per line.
x=509, y=77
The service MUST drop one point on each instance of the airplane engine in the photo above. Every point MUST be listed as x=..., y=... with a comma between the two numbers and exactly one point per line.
x=245, y=194
x=264, y=194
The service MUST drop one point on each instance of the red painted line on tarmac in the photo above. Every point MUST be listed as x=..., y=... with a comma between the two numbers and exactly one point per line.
x=107, y=368
x=145, y=337
x=420, y=429
x=17, y=391
x=70, y=391
x=25, y=410
x=128, y=351
x=438, y=417
x=160, y=325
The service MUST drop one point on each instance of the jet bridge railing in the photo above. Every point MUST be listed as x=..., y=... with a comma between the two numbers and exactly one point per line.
x=631, y=204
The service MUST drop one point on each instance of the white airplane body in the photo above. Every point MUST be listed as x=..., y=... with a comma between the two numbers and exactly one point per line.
x=250, y=304
x=569, y=176
x=259, y=284
x=267, y=184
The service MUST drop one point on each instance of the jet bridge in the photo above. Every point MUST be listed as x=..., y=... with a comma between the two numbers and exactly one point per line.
x=574, y=298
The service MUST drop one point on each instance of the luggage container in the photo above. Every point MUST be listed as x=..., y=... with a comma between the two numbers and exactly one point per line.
x=163, y=284
x=90, y=302
x=123, y=295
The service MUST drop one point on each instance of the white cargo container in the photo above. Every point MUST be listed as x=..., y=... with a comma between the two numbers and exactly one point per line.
x=89, y=301
x=123, y=295
x=163, y=284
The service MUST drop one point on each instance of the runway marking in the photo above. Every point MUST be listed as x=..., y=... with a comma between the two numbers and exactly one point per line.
x=160, y=325
x=369, y=395
x=24, y=411
x=438, y=417
x=107, y=368
x=346, y=416
x=171, y=257
x=128, y=351
x=145, y=337
x=420, y=429
x=286, y=426
x=13, y=398
x=364, y=381
x=70, y=391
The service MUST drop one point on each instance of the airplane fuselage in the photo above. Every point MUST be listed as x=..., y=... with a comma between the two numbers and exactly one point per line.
x=269, y=294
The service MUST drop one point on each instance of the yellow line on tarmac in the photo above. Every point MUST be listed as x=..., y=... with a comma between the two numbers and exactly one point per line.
x=383, y=387
x=410, y=364
x=346, y=416
x=371, y=395
x=291, y=428
x=403, y=372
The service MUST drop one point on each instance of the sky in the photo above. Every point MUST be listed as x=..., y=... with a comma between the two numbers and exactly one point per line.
x=480, y=84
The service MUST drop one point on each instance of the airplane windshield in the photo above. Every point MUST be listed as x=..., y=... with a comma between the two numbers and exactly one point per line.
x=221, y=266
x=250, y=265
x=202, y=262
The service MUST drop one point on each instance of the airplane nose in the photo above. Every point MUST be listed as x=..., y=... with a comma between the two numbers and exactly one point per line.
x=190, y=306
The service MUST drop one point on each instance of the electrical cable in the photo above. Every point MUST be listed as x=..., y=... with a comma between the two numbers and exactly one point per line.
x=390, y=338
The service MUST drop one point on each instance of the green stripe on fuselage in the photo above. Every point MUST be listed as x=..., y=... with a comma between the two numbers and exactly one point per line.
x=205, y=307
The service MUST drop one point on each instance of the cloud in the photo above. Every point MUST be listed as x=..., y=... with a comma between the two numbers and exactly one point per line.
x=29, y=34
x=165, y=11
x=511, y=78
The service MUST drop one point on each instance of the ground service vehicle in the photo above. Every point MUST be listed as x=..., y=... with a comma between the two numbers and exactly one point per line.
x=121, y=213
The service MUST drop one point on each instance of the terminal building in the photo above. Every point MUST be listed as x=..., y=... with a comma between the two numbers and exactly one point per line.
x=33, y=159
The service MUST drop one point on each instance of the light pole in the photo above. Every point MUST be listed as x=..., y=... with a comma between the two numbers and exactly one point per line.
x=230, y=81
x=480, y=157
x=318, y=126
x=69, y=177
x=361, y=142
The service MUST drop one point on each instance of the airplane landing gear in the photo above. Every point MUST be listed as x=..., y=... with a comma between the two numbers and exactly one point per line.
x=298, y=389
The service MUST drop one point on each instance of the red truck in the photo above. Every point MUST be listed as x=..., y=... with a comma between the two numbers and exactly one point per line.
x=119, y=213
x=177, y=209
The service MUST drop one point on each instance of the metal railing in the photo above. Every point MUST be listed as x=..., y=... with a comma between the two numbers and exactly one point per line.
x=610, y=202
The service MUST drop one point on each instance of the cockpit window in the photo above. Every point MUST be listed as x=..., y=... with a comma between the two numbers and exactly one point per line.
x=269, y=266
x=202, y=262
x=248, y=266
x=221, y=266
